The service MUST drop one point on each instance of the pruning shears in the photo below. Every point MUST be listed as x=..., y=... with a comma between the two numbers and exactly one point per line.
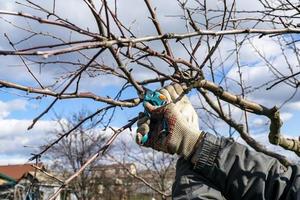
x=156, y=99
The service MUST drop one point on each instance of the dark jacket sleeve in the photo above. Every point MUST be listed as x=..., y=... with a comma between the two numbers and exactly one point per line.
x=190, y=185
x=240, y=173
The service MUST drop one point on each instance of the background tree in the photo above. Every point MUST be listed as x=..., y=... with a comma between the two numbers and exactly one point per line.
x=155, y=170
x=236, y=56
x=68, y=156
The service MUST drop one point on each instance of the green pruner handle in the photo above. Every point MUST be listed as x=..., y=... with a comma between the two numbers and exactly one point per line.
x=156, y=99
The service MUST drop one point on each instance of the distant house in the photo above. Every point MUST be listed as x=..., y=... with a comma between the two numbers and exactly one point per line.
x=17, y=172
x=114, y=180
x=115, y=170
x=6, y=181
x=14, y=180
x=25, y=182
x=117, y=182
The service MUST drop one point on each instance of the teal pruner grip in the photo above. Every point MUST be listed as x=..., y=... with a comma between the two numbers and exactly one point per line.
x=155, y=99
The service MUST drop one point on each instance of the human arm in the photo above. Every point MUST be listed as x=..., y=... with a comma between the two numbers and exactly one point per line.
x=192, y=185
x=232, y=168
x=241, y=173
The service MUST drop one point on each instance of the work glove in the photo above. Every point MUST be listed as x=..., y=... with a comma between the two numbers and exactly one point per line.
x=181, y=120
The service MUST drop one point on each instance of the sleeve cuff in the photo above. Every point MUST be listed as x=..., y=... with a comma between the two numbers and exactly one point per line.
x=207, y=152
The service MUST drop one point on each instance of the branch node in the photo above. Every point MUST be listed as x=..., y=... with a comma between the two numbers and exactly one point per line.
x=168, y=36
x=241, y=127
x=220, y=91
x=239, y=100
x=274, y=139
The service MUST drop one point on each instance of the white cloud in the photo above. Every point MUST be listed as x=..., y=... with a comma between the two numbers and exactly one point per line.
x=248, y=5
x=285, y=116
x=8, y=5
x=265, y=46
x=259, y=122
x=256, y=75
x=12, y=159
x=9, y=106
x=294, y=105
x=18, y=143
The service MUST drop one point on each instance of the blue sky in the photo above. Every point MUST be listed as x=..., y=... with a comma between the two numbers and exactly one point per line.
x=17, y=111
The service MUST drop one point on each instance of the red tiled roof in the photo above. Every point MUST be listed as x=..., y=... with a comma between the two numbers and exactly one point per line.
x=17, y=171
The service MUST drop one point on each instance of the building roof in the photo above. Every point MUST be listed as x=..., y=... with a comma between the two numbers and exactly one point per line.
x=17, y=171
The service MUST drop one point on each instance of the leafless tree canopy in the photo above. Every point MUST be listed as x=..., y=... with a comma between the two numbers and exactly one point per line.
x=70, y=54
x=72, y=152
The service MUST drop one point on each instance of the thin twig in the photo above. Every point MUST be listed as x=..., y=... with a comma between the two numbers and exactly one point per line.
x=65, y=88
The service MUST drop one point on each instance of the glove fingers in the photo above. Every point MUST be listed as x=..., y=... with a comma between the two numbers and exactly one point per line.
x=149, y=107
x=166, y=94
x=173, y=94
x=143, y=120
x=175, y=91
x=183, y=106
x=138, y=138
x=143, y=129
x=178, y=88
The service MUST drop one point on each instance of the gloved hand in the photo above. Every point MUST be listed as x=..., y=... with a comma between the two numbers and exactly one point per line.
x=182, y=121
